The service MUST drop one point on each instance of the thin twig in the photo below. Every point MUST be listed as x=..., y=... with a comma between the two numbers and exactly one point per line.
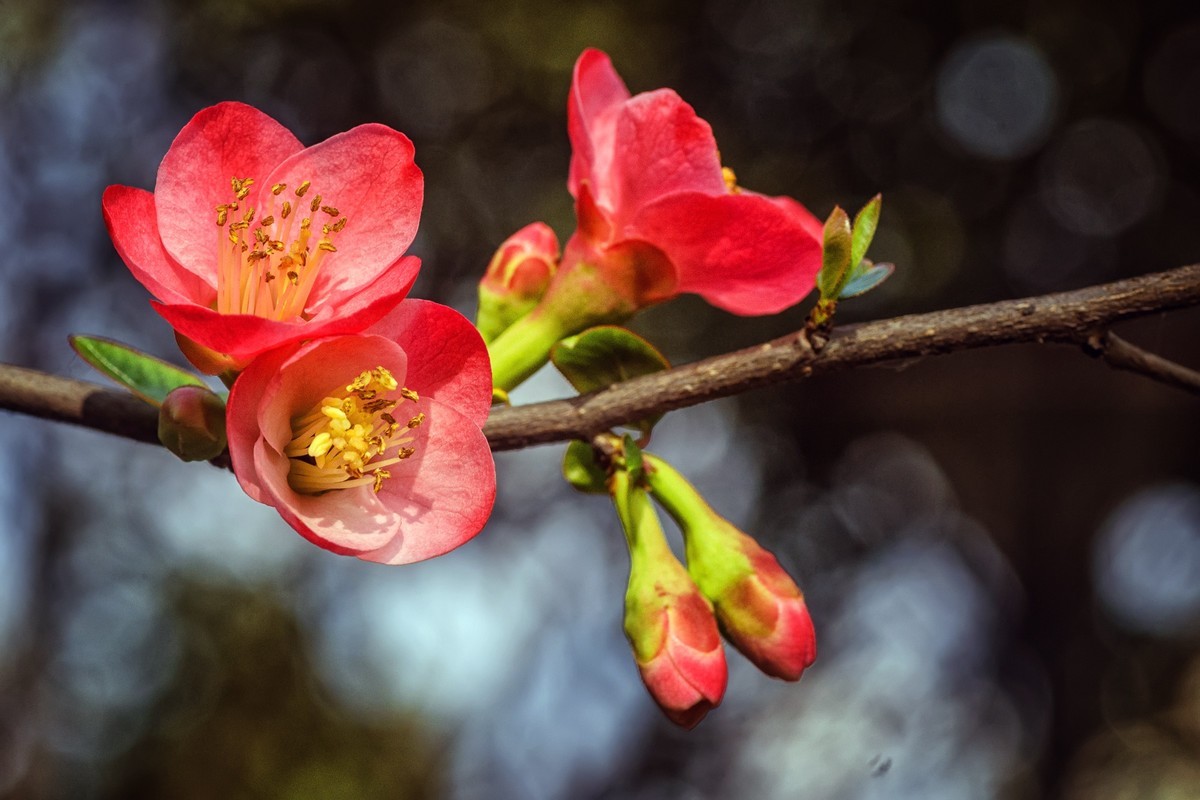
x=1063, y=317
x=1120, y=354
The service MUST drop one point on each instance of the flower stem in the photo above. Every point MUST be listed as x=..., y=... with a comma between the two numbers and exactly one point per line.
x=524, y=347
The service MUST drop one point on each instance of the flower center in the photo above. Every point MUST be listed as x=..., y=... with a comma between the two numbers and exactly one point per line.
x=731, y=183
x=347, y=440
x=267, y=264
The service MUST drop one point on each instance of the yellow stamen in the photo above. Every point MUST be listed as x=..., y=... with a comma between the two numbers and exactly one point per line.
x=249, y=259
x=349, y=439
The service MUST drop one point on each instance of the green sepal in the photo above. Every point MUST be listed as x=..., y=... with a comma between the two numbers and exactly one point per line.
x=582, y=469
x=865, y=277
x=633, y=460
x=149, y=378
x=835, y=254
x=604, y=355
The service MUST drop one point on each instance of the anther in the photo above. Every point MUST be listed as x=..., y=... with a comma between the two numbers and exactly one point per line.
x=277, y=188
x=302, y=188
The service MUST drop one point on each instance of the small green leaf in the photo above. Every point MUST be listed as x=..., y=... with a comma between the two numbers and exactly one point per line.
x=604, y=355
x=865, y=224
x=146, y=376
x=835, y=256
x=582, y=470
x=633, y=460
x=867, y=277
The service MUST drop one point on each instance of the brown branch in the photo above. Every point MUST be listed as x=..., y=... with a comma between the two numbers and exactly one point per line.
x=28, y=391
x=1059, y=317
x=1064, y=317
x=1120, y=354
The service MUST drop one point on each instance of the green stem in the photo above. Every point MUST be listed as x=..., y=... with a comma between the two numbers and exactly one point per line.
x=524, y=347
x=675, y=494
x=643, y=531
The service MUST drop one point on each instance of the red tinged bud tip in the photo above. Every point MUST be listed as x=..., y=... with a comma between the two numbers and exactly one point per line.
x=668, y=622
x=761, y=610
x=516, y=278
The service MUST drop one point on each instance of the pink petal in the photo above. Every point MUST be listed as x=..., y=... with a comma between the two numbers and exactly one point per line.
x=444, y=493
x=318, y=369
x=368, y=175
x=447, y=359
x=130, y=216
x=596, y=91
x=661, y=147
x=740, y=252
x=242, y=413
x=347, y=521
x=228, y=140
x=243, y=336
x=800, y=215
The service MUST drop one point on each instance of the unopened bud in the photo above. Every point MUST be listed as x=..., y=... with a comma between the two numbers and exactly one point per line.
x=668, y=622
x=191, y=423
x=761, y=610
x=516, y=278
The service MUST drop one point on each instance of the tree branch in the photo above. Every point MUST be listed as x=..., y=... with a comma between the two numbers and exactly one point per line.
x=1061, y=317
x=1120, y=354
x=1066, y=317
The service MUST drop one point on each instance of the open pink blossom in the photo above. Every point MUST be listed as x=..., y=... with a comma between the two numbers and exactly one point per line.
x=370, y=444
x=659, y=216
x=251, y=240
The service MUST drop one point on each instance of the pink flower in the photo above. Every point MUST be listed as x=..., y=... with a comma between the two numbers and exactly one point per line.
x=659, y=216
x=251, y=241
x=370, y=444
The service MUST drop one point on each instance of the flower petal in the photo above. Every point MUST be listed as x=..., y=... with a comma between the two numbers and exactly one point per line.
x=444, y=493
x=242, y=427
x=368, y=175
x=741, y=252
x=243, y=336
x=660, y=147
x=133, y=225
x=447, y=359
x=228, y=140
x=596, y=91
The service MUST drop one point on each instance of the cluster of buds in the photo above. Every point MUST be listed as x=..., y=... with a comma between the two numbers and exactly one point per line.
x=730, y=584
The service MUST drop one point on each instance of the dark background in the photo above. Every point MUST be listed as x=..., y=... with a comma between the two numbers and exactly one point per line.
x=1001, y=549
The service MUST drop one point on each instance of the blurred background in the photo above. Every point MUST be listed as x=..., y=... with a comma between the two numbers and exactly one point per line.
x=1001, y=549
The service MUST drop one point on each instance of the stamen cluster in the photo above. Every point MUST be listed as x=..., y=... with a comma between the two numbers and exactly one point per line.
x=345, y=440
x=268, y=268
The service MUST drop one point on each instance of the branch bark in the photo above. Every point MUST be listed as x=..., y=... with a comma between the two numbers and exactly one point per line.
x=1066, y=317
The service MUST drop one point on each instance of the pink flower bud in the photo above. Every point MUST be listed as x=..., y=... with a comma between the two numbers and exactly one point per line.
x=678, y=651
x=191, y=423
x=667, y=620
x=760, y=608
x=517, y=278
x=763, y=612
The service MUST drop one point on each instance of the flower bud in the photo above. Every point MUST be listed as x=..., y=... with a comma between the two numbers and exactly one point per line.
x=761, y=610
x=516, y=278
x=191, y=423
x=668, y=622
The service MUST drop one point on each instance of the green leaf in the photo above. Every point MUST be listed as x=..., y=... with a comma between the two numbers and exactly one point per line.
x=149, y=378
x=865, y=224
x=604, y=355
x=867, y=277
x=633, y=460
x=582, y=470
x=835, y=256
